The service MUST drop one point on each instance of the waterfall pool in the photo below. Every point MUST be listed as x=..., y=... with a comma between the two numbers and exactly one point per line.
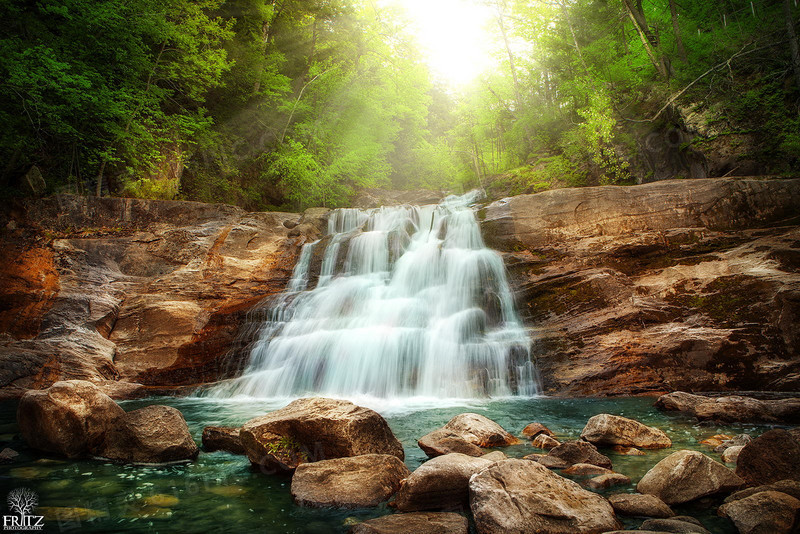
x=220, y=492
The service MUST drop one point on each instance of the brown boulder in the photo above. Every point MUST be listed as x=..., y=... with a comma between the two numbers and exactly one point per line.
x=441, y=483
x=608, y=480
x=773, y=456
x=586, y=469
x=543, y=441
x=153, y=434
x=480, y=430
x=534, y=429
x=414, y=522
x=679, y=524
x=352, y=482
x=606, y=429
x=220, y=438
x=639, y=505
x=442, y=441
x=684, y=476
x=766, y=512
x=789, y=487
x=731, y=454
x=580, y=452
x=526, y=498
x=69, y=418
x=315, y=429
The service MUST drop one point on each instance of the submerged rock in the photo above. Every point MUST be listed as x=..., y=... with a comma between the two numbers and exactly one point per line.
x=606, y=429
x=70, y=418
x=153, y=434
x=220, y=438
x=580, y=452
x=441, y=483
x=765, y=512
x=414, y=522
x=640, y=505
x=316, y=429
x=732, y=409
x=773, y=456
x=627, y=451
x=684, y=476
x=351, y=482
x=526, y=498
x=679, y=524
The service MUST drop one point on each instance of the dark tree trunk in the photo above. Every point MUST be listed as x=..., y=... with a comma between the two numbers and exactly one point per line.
x=793, y=46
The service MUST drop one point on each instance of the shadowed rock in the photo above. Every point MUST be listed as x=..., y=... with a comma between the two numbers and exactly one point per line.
x=220, y=438
x=773, y=456
x=580, y=452
x=679, y=524
x=765, y=512
x=153, y=434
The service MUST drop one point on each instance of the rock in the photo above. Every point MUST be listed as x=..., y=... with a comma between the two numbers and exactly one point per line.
x=543, y=441
x=66, y=514
x=479, y=430
x=684, y=476
x=525, y=497
x=220, y=438
x=716, y=441
x=315, y=429
x=534, y=429
x=161, y=500
x=495, y=456
x=766, y=512
x=550, y=462
x=69, y=418
x=442, y=441
x=731, y=454
x=586, y=469
x=736, y=441
x=773, y=456
x=606, y=481
x=153, y=434
x=627, y=451
x=606, y=429
x=680, y=524
x=732, y=409
x=351, y=482
x=441, y=483
x=414, y=522
x=7, y=455
x=639, y=505
x=580, y=452
x=789, y=487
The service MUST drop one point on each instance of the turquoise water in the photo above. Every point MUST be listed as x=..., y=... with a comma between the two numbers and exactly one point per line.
x=220, y=492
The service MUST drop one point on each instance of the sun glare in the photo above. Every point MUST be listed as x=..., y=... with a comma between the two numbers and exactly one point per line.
x=453, y=34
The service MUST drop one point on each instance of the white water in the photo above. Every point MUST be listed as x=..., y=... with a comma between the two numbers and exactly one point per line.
x=408, y=302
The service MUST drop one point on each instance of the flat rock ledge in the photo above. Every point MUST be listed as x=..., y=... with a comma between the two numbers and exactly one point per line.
x=732, y=409
x=354, y=482
x=416, y=523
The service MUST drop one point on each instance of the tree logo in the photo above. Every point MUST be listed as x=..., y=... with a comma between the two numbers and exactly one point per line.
x=23, y=501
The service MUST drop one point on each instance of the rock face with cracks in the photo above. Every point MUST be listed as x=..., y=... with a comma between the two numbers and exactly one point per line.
x=732, y=409
x=766, y=512
x=525, y=497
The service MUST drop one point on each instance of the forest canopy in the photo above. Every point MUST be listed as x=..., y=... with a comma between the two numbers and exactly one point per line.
x=284, y=104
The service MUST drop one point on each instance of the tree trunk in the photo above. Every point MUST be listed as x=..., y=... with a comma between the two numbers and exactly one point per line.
x=100, y=178
x=676, y=29
x=648, y=39
x=793, y=46
x=511, y=62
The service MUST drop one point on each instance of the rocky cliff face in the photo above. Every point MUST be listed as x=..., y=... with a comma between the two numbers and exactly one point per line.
x=122, y=291
x=683, y=284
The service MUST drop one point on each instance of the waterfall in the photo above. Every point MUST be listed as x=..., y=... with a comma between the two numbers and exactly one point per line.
x=393, y=302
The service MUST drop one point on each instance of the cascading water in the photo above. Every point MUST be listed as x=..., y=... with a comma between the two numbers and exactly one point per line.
x=393, y=302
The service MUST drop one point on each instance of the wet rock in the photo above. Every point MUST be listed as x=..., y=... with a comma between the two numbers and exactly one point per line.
x=606, y=481
x=586, y=469
x=316, y=429
x=680, y=524
x=627, y=451
x=416, y=522
x=534, y=429
x=441, y=483
x=352, y=482
x=640, y=505
x=580, y=452
x=526, y=497
x=551, y=462
x=731, y=409
x=153, y=434
x=7, y=455
x=716, y=441
x=765, y=512
x=789, y=487
x=773, y=456
x=480, y=430
x=162, y=500
x=543, y=441
x=66, y=514
x=442, y=441
x=606, y=429
x=684, y=476
x=220, y=438
x=731, y=454
x=70, y=418
x=736, y=441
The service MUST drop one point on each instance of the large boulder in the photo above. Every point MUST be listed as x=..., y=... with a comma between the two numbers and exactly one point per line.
x=479, y=430
x=580, y=452
x=766, y=512
x=789, y=487
x=221, y=438
x=679, y=524
x=153, y=434
x=441, y=441
x=69, y=418
x=606, y=429
x=684, y=476
x=773, y=456
x=315, y=429
x=534, y=429
x=416, y=523
x=525, y=498
x=639, y=505
x=731, y=409
x=352, y=482
x=441, y=483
